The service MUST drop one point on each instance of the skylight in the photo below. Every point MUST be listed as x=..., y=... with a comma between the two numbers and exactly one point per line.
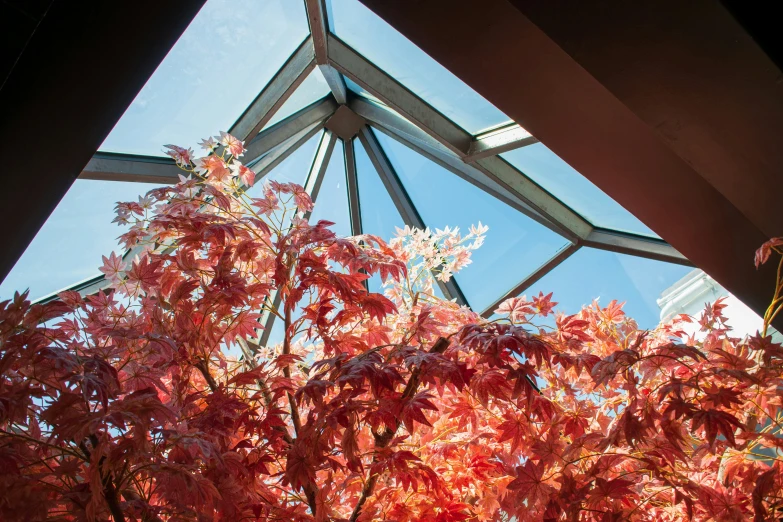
x=550, y=228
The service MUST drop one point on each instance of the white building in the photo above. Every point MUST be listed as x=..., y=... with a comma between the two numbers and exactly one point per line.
x=690, y=294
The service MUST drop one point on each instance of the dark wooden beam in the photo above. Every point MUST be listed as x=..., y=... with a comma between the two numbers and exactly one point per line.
x=707, y=184
x=70, y=85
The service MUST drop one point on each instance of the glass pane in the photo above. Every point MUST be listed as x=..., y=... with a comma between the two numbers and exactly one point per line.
x=312, y=89
x=555, y=175
x=401, y=59
x=379, y=215
x=332, y=202
x=69, y=246
x=292, y=169
x=515, y=245
x=214, y=71
x=597, y=274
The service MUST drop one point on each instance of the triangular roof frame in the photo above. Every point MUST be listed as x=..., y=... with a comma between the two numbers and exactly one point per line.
x=408, y=119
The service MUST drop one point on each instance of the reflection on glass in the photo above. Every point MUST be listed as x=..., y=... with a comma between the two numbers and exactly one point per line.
x=597, y=274
x=312, y=89
x=211, y=75
x=555, y=175
x=515, y=245
x=332, y=202
x=360, y=28
x=69, y=246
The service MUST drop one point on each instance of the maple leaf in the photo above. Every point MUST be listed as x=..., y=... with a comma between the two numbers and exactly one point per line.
x=490, y=383
x=714, y=423
x=764, y=251
x=530, y=484
x=411, y=410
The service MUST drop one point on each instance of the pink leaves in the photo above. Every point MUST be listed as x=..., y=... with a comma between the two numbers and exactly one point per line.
x=113, y=267
x=765, y=250
x=233, y=145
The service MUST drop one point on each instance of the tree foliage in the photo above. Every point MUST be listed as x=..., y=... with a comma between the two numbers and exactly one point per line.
x=127, y=404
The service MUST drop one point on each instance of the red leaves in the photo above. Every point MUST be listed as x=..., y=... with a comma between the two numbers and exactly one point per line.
x=411, y=410
x=714, y=423
x=529, y=483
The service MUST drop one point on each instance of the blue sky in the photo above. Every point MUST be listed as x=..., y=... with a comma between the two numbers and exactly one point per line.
x=225, y=58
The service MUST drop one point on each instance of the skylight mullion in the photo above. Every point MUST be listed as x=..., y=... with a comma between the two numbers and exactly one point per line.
x=352, y=186
x=319, y=29
x=639, y=246
x=270, y=138
x=110, y=166
x=500, y=140
x=368, y=75
x=403, y=202
x=276, y=156
x=523, y=285
x=276, y=92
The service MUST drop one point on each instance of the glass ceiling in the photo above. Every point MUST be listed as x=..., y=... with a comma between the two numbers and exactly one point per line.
x=227, y=56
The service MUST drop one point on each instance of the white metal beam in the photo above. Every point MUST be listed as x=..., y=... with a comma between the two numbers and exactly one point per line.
x=276, y=92
x=352, y=186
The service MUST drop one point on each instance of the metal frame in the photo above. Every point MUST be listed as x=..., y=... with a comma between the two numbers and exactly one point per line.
x=319, y=29
x=352, y=186
x=276, y=92
x=403, y=116
x=402, y=201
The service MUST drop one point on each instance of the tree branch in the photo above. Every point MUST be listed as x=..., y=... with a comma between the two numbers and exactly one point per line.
x=383, y=439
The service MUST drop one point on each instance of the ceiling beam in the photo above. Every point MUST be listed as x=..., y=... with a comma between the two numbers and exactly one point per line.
x=500, y=140
x=403, y=203
x=352, y=186
x=78, y=73
x=604, y=117
x=634, y=245
x=109, y=166
x=281, y=131
x=395, y=95
x=319, y=29
x=491, y=174
x=276, y=92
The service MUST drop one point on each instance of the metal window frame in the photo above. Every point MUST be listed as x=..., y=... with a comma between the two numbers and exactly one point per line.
x=403, y=202
x=402, y=115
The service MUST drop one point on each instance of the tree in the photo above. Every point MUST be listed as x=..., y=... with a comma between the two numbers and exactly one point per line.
x=127, y=405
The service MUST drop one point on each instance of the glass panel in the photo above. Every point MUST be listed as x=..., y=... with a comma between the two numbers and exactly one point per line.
x=515, y=245
x=400, y=58
x=215, y=70
x=555, y=175
x=379, y=215
x=312, y=89
x=292, y=169
x=597, y=274
x=69, y=246
x=361, y=91
x=332, y=202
